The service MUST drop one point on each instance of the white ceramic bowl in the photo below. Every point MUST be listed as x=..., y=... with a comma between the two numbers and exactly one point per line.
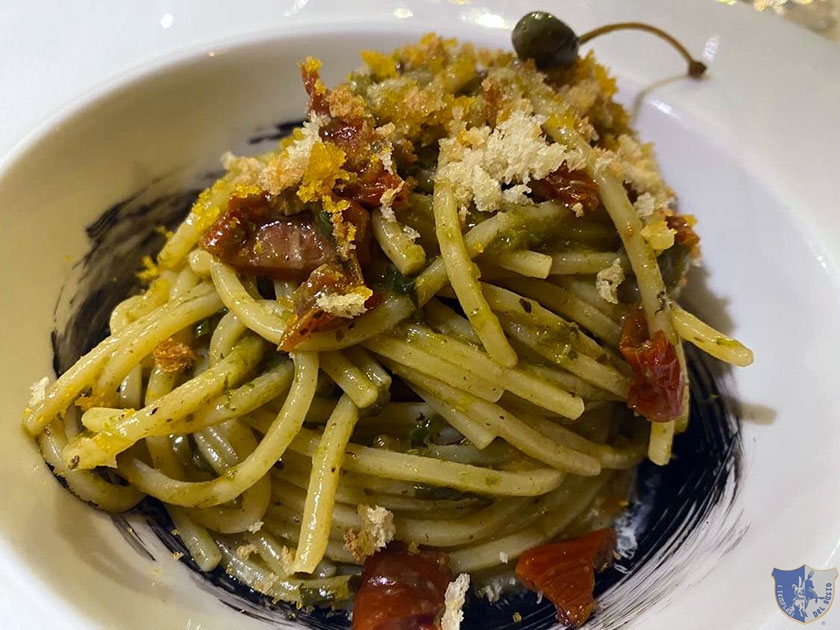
x=753, y=151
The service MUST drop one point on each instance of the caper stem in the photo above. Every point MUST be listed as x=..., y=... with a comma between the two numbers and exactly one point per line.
x=695, y=68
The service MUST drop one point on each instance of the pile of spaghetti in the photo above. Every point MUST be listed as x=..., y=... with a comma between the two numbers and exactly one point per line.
x=435, y=329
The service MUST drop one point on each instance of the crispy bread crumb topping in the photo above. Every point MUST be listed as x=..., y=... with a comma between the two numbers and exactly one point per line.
x=376, y=531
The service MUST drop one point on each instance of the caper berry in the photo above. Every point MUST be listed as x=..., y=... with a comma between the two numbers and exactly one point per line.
x=546, y=39
x=551, y=43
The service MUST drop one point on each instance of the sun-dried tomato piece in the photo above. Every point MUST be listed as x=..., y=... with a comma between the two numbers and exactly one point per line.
x=567, y=187
x=685, y=234
x=311, y=76
x=351, y=128
x=253, y=237
x=369, y=187
x=402, y=590
x=369, y=180
x=657, y=389
x=355, y=137
x=331, y=278
x=346, y=125
x=335, y=278
x=313, y=321
x=565, y=572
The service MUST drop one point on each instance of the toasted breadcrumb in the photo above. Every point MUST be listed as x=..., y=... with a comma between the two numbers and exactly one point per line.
x=410, y=232
x=644, y=205
x=639, y=166
x=634, y=163
x=491, y=591
x=608, y=280
x=478, y=162
x=266, y=584
x=377, y=530
x=246, y=170
x=388, y=213
x=387, y=198
x=177, y=555
x=344, y=104
x=606, y=162
x=386, y=132
x=243, y=552
x=454, y=598
x=387, y=159
x=174, y=356
x=582, y=96
x=320, y=176
x=149, y=272
x=255, y=527
x=503, y=557
x=346, y=305
x=287, y=169
x=380, y=65
x=287, y=559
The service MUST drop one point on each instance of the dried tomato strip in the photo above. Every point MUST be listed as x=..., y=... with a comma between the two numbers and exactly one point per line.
x=402, y=590
x=354, y=133
x=565, y=572
x=253, y=236
x=568, y=187
x=657, y=389
x=685, y=234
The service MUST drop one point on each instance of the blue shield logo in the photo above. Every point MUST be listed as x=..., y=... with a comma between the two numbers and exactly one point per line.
x=804, y=594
